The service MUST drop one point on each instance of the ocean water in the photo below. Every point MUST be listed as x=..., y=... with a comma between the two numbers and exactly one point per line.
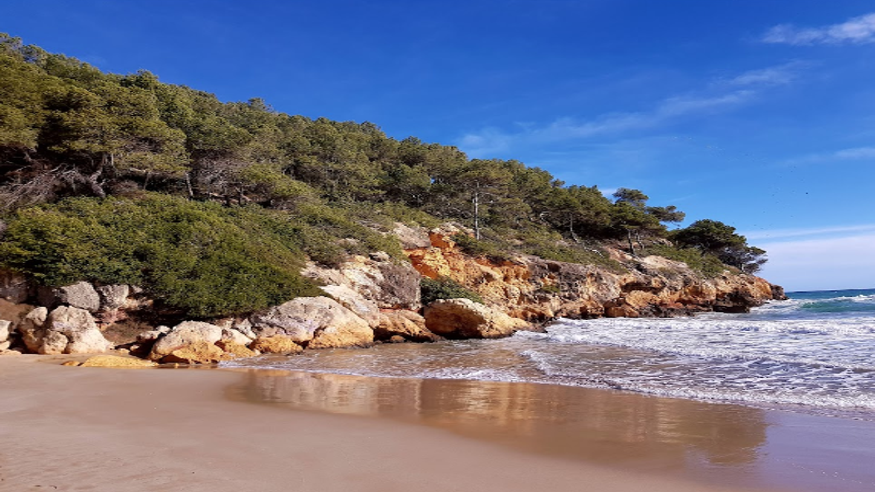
x=814, y=353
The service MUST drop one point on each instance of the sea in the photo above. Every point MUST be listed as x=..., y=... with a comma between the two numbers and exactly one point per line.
x=813, y=353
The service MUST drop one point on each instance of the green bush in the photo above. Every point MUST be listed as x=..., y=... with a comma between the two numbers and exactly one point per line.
x=485, y=248
x=573, y=254
x=197, y=257
x=445, y=288
x=706, y=264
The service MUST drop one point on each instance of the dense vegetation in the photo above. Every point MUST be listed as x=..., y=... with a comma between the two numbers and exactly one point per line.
x=122, y=178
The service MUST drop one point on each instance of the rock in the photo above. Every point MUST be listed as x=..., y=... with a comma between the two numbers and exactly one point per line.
x=388, y=284
x=116, y=361
x=405, y=324
x=232, y=335
x=244, y=326
x=380, y=256
x=185, y=334
x=411, y=237
x=234, y=349
x=316, y=322
x=199, y=352
x=150, y=336
x=31, y=328
x=4, y=346
x=463, y=318
x=353, y=332
x=14, y=287
x=4, y=330
x=276, y=345
x=355, y=302
x=79, y=295
x=66, y=330
x=72, y=363
x=78, y=326
x=113, y=296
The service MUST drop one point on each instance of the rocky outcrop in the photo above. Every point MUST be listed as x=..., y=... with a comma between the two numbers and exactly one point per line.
x=113, y=296
x=463, y=318
x=314, y=322
x=276, y=344
x=66, y=330
x=535, y=289
x=80, y=295
x=376, y=298
x=403, y=326
x=189, y=341
x=378, y=279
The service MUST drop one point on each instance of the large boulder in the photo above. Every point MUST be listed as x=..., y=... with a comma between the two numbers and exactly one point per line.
x=463, y=318
x=14, y=287
x=79, y=295
x=113, y=296
x=315, y=322
x=66, y=330
x=195, y=335
x=405, y=324
x=197, y=353
x=355, y=302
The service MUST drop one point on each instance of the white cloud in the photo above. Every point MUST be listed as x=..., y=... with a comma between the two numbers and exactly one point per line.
x=856, y=153
x=777, y=75
x=491, y=140
x=776, y=234
x=822, y=264
x=719, y=95
x=851, y=154
x=858, y=30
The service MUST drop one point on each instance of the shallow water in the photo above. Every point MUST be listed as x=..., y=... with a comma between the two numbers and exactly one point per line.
x=814, y=353
x=729, y=445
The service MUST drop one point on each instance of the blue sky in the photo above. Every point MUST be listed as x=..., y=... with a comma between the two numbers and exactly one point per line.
x=758, y=113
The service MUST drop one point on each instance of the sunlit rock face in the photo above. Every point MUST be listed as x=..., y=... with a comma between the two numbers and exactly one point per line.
x=535, y=289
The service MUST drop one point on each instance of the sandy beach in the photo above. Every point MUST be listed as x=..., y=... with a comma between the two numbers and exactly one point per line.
x=97, y=429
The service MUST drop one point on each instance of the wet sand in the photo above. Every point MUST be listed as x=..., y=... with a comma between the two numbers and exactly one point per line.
x=95, y=429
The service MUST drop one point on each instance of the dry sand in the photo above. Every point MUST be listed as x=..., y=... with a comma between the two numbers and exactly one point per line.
x=97, y=429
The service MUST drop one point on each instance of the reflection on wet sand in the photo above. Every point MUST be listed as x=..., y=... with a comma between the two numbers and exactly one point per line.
x=574, y=423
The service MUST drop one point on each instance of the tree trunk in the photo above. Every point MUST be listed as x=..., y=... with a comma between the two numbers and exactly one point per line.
x=631, y=245
x=477, y=215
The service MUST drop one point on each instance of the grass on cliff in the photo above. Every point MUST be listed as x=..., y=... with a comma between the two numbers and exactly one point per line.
x=705, y=264
x=445, y=288
x=202, y=258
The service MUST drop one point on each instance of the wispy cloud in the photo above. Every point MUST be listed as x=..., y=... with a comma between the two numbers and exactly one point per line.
x=720, y=95
x=858, y=30
x=844, y=262
x=777, y=234
x=850, y=154
x=770, y=76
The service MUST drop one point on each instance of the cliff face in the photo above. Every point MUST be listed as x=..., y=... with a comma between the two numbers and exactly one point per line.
x=535, y=289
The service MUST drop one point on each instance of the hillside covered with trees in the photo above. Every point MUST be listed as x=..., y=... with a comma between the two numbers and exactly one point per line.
x=213, y=207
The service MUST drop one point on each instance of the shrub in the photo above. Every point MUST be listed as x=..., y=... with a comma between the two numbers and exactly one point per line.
x=198, y=257
x=485, y=248
x=445, y=288
x=705, y=264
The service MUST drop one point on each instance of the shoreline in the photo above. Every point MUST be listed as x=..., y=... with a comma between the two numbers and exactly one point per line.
x=230, y=429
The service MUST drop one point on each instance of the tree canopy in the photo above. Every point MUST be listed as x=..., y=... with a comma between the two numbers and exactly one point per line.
x=70, y=131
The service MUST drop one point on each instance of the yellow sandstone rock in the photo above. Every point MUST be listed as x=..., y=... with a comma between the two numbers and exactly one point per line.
x=116, y=361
